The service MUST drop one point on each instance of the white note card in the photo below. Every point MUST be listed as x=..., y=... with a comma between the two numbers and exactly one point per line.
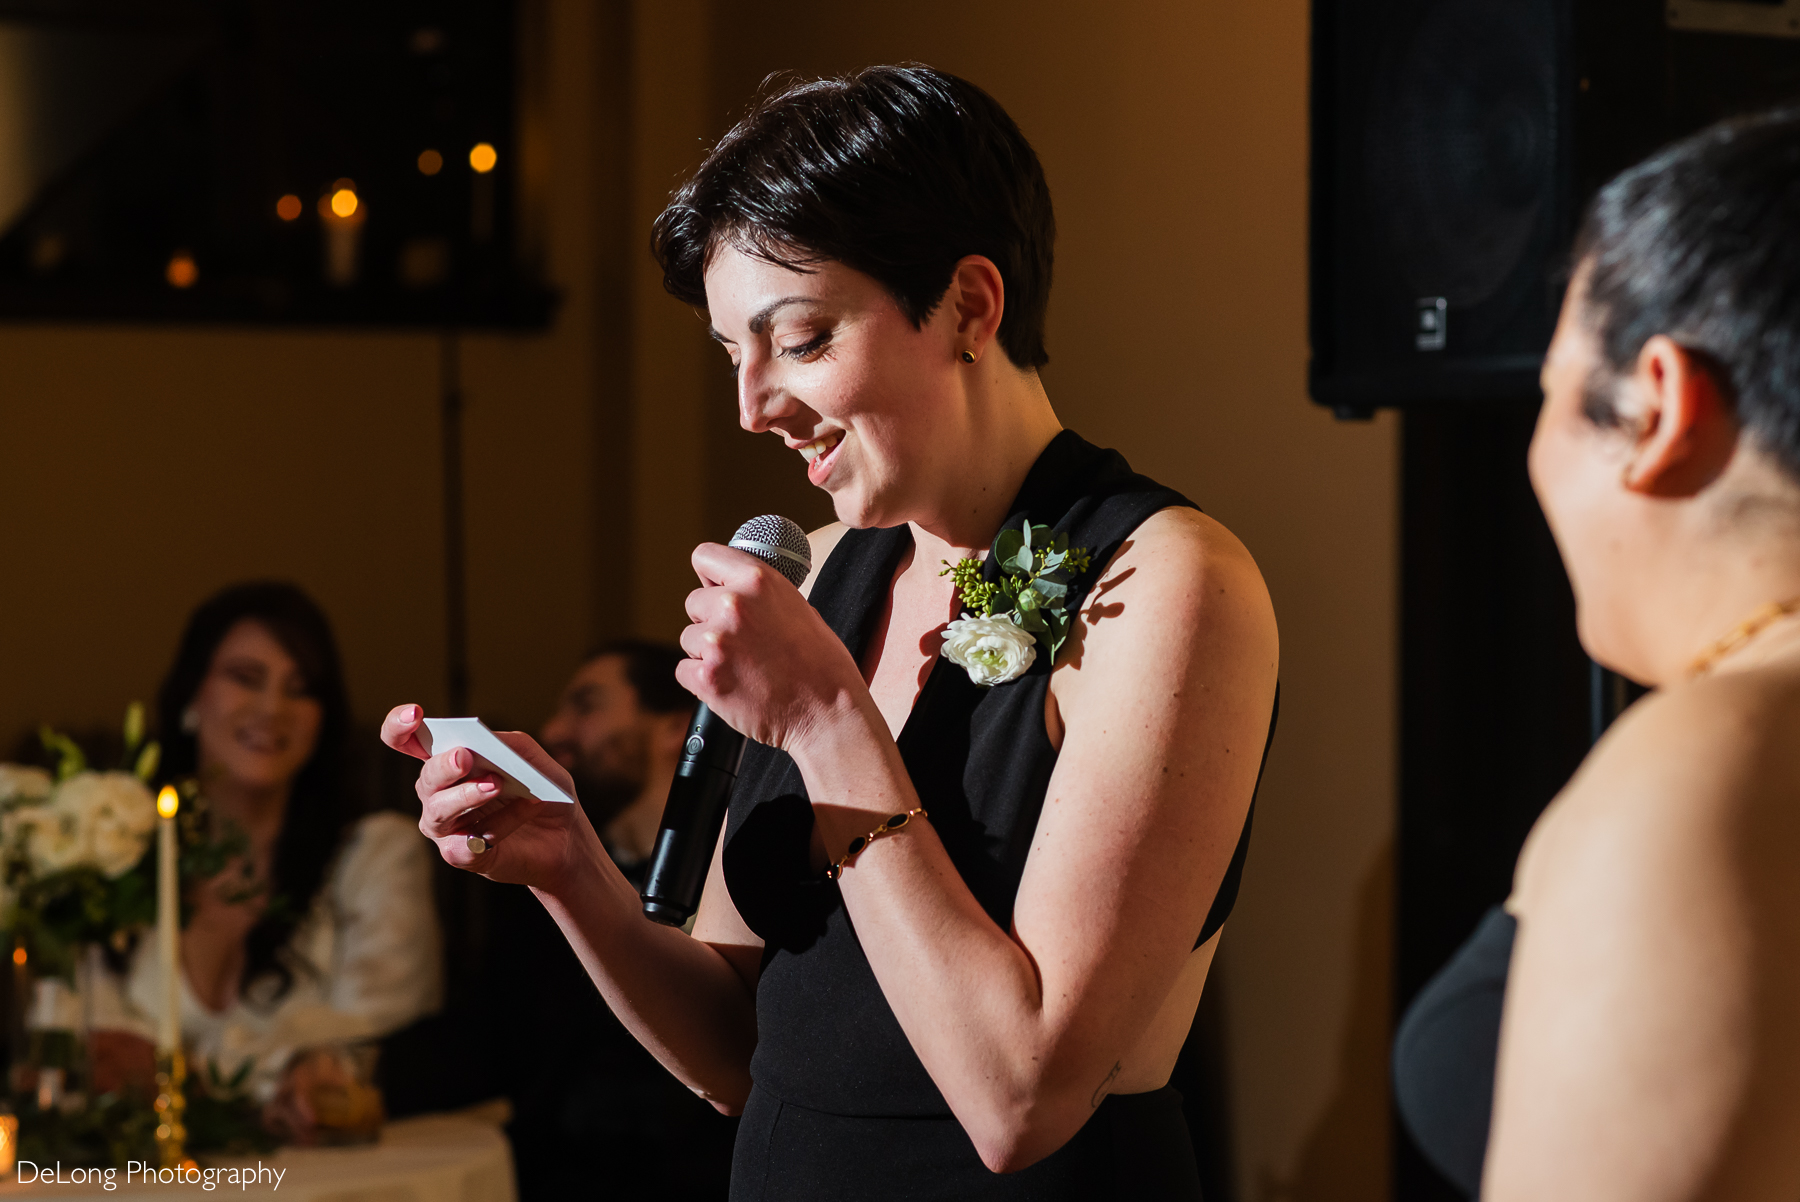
x=519, y=778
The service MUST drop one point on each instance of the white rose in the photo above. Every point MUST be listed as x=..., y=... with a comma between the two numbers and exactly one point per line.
x=50, y=838
x=112, y=815
x=992, y=650
x=19, y=783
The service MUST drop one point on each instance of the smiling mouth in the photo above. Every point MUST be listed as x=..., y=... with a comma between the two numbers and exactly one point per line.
x=820, y=447
x=262, y=741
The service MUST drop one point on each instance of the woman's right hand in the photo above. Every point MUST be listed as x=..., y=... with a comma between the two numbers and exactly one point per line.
x=530, y=842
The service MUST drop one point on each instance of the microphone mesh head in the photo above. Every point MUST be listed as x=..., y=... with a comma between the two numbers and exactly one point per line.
x=779, y=542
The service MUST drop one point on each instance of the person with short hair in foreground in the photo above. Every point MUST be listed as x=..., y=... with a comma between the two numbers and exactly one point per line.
x=1649, y=955
x=1006, y=738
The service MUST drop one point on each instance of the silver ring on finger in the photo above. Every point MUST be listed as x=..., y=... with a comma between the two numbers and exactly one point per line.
x=477, y=845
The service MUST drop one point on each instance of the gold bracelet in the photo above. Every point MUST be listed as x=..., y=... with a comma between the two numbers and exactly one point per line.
x=861, y=841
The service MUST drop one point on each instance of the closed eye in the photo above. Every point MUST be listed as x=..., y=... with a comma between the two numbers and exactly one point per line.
x=809, y=349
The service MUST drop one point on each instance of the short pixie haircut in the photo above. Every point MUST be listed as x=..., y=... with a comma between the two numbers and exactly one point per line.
x=897, y=172
x=1702, y=242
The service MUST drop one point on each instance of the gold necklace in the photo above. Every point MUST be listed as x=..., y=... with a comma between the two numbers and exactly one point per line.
x=1742, y=633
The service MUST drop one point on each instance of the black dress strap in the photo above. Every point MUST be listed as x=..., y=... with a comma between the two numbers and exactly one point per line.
x=1225, y=900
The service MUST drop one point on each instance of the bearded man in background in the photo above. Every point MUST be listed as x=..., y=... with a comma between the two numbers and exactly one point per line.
x=618, y=729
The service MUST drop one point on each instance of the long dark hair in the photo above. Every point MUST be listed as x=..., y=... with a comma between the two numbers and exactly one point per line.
x=323, y=803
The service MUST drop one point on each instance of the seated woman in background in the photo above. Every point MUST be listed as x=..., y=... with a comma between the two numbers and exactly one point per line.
x=333, y=936
x=1647, y=1047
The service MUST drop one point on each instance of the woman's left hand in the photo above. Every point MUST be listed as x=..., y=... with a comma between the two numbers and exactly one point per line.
x=762, y=657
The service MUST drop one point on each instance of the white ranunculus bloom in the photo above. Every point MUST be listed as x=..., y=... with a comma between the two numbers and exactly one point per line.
x=992, y=650
x=51, y=838
x=113, y=816
x=20, y=783
x=103, y=819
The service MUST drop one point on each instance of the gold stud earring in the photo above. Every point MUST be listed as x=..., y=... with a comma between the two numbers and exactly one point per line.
x=968, y=356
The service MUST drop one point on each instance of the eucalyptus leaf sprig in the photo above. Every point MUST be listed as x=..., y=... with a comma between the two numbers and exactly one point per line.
x=1037, y=566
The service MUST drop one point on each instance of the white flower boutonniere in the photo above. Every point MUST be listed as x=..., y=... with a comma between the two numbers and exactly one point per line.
x=1027, y=606
x=993, y=650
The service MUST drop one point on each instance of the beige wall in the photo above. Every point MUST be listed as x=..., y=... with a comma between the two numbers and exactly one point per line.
x=145, y=467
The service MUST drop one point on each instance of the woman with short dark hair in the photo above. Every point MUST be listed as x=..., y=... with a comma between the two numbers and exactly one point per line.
x=1649, y=957
x=976, y=865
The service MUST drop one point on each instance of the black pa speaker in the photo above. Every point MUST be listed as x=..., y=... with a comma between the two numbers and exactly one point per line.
x=1453, y=145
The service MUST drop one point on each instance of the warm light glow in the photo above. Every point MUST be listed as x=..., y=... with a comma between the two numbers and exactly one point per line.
x=182, y=270
x=430, y=162
x=168, y=801
x=343, y=202
x=288, y=207
x=482, y=157
x=19, y=956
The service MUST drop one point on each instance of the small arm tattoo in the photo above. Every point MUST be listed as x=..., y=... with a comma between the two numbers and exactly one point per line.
x=1100, y=1090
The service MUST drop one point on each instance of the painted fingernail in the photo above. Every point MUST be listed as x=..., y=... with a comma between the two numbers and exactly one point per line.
x=488, y=787
x=477, y=845
x=409, y=713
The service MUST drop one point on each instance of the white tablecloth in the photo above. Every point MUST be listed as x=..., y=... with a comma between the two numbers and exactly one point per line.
x=433, y=1158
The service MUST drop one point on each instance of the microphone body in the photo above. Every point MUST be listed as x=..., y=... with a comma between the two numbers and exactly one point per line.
x=692, y=817
x=701, y=790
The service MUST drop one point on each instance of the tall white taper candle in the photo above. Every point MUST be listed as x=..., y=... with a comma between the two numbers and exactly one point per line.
x=168, y=922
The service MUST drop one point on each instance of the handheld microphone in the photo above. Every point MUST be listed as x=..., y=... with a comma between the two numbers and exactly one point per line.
x=701, y=790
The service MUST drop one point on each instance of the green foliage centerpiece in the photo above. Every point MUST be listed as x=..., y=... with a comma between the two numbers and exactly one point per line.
x=78, y=883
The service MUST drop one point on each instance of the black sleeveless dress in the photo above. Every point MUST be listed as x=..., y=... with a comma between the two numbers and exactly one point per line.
x=842, y=1108
x=1446, y=1049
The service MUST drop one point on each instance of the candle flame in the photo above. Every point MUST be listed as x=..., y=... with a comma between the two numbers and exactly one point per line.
x=168, y=801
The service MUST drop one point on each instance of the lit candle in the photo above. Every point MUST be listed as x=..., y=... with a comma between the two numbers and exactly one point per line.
x=341, y=214
x=168, y=922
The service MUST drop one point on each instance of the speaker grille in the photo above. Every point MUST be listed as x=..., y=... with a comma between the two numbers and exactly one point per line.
x=1454, y=142
x=1440, y=196
x=1462, y=146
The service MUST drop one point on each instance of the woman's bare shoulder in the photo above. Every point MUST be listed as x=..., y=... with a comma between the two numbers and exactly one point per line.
x=1708, y=738
x=1179, y=613
x=1684, y=776
x=1658, y=960
x=1189, y=573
